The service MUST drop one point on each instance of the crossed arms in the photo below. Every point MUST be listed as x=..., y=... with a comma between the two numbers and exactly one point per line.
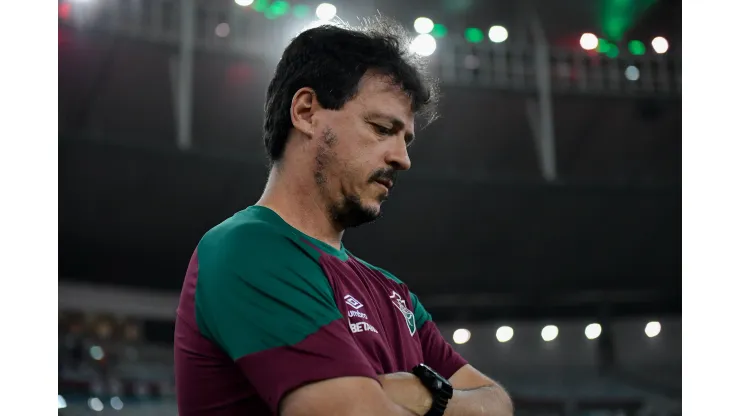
x=398, y=394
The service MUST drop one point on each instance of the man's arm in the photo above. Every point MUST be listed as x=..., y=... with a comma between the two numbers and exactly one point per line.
x=351, y=396
x=475, y=394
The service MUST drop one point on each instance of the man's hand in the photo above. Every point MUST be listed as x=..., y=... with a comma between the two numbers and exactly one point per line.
x=406, y=390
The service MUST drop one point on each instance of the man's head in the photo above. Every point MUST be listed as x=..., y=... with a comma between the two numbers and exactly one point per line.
x=341, y=108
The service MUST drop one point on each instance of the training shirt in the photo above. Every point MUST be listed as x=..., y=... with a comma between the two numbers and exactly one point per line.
x=265, y=309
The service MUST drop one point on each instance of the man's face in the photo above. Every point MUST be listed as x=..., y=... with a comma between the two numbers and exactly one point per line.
x=360, y=149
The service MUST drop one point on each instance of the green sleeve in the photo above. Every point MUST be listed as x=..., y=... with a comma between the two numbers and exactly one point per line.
x=258, y=290
x=421, y=316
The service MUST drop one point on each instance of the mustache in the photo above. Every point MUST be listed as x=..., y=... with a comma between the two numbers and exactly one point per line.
x=388, y=174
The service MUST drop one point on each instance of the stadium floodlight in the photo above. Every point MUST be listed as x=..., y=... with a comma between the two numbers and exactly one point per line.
x=423, y=25
x=504, y=334
x=498, y=34
x=593, y=331
x=461, y=336
x=632, y=73
x=116, y=403
x=96, y=353
x=473, y=35
x=652, y=329
x=222, y=30
x=243, y=2
x=549, y=333
x=326, y=11
x=439, y=30
x=660, y=44
x=636, y=47
x=424, y=45
x=95, y=404
x=589, y=41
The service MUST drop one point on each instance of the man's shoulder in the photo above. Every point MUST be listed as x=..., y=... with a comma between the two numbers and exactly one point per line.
x=253, y=240
x=388, y=275
x=249, y=234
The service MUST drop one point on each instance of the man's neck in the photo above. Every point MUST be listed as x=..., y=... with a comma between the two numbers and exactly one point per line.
x=295, y=198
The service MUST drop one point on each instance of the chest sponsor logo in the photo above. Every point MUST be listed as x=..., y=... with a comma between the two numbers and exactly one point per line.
x=408, y=315
x=361, y=327
x=349, y=300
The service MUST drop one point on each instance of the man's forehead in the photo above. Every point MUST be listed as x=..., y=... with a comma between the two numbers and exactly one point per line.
x=379, y=94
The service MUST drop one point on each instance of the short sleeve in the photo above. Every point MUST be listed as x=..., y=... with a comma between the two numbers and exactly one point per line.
x=438, y=353
x=266, y=302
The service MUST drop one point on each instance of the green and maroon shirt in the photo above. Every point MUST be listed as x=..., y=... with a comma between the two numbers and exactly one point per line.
x=265, y=309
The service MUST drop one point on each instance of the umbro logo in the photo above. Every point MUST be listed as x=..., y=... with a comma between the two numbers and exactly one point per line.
x=353, y=302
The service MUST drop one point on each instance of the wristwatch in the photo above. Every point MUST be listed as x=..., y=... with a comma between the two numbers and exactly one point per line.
x=440, y=388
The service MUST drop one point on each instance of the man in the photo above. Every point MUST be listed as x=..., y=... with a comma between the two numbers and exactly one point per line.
x=276, y=316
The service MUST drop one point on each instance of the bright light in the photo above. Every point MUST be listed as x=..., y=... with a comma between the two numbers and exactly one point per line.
x=222, y=30
x=652, y=329
x=96, y=353
x=589, y=41
x=116, y=403
x=326, y=11
x=549, y=333
x=660, y=44
x=423, y=25
x=504, y=334
x=61, y=402
x=424, y=45
x=95, y=404
x=498, y=34
x=243, y=2
x=461, y=336
x=632, y=73
x=593, y=331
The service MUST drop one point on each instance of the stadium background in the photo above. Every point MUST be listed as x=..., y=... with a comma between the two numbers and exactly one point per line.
x=560, y=164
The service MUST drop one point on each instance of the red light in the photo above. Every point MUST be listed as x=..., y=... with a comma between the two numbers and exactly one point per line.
x=64, y=10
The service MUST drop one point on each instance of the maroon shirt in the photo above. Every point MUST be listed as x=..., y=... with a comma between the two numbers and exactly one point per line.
x=266, y=309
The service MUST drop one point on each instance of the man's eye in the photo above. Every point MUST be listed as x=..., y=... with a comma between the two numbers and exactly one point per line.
x=383, y=130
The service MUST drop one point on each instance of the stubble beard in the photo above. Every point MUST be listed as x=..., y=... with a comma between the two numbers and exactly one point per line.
x=348, y=212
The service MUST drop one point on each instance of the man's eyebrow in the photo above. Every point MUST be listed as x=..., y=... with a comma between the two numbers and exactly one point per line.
x=397, y=123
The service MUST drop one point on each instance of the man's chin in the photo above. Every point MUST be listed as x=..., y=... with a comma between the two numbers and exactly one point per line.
x=360, y=215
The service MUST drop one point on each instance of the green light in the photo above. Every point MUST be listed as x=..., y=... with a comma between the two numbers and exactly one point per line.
x=618, y=16
x=636, y=47
x=474, y=35
x=261, y=5
x=613, y=51
x=603, y=46
x=301, y=10
x=615, y=27
x=278, y=8
x=439, y=30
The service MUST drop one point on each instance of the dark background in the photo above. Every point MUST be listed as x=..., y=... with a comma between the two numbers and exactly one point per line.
x=473, y=216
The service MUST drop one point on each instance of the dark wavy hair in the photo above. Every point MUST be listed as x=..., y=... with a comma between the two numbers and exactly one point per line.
x=331, y=60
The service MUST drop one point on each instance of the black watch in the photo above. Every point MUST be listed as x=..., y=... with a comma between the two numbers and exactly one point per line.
x=440, y=388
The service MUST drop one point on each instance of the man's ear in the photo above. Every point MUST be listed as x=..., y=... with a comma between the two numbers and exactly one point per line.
x=302, y=109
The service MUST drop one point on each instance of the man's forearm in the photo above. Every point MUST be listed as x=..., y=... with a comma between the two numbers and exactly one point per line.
x=407, y=391
x=489, y=400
